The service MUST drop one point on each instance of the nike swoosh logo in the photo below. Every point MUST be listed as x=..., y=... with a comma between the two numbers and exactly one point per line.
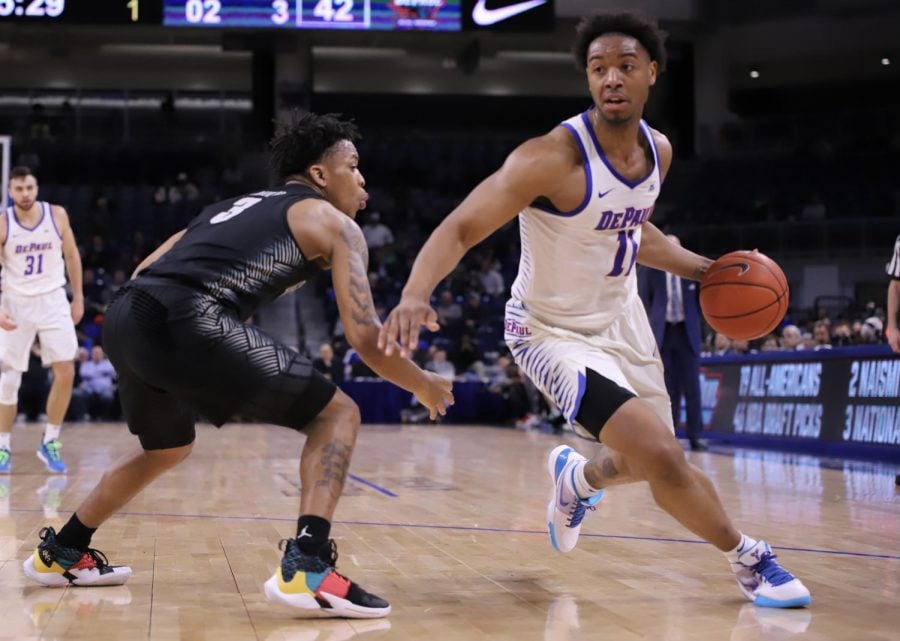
x=485, y=17
x=744, y=267
x=603, y=193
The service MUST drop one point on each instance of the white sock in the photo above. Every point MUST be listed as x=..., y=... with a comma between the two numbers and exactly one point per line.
x=51, y=432
x=745, y=543
x=4, y=440
x=582, y=488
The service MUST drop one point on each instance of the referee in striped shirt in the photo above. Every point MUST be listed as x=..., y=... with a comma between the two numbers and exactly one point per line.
x=893, y=305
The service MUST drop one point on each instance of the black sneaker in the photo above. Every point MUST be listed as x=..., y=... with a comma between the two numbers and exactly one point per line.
x=309, y=582
x=53, y=565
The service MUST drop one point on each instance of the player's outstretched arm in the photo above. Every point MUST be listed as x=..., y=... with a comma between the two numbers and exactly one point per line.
x=658, y=251
x=532, y=170
x=345, y=249
x=158, y=252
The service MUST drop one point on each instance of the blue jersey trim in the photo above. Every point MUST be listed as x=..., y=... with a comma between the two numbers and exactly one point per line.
x=631, y=184
x=587, y=176
x=9, y=212
x=53, y=220
x=38, y=224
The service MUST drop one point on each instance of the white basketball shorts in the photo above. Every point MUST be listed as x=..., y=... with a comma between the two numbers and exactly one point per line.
x=47, y=316
x=556, y=359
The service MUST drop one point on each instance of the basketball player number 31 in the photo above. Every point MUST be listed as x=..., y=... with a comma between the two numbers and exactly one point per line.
x=626, y=241
x=238, y=207
x=30, y=263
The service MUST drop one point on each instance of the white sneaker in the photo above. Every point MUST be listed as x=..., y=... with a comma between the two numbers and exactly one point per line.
x=764, y=582
x=566, y=509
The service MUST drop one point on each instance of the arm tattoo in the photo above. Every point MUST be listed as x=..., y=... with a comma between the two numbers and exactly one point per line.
x=362, y=309
x=335, y=463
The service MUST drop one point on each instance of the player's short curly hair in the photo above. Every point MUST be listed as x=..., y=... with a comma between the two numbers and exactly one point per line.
x=302, y=139
x=641, y=28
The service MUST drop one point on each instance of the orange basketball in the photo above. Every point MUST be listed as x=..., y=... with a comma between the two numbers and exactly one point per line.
x=744, y=295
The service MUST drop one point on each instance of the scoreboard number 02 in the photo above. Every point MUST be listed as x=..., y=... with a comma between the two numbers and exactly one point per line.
x=203, y=11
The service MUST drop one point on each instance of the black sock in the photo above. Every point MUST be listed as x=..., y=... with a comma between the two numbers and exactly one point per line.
x=312, y=533
x=75, y=534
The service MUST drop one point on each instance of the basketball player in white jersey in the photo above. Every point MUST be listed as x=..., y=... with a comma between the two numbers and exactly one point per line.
x=38, y=252
x=584, y=193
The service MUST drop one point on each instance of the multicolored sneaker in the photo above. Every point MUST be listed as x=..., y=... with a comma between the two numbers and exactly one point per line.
x=49, y=453
x=310, y=583
x=53, y=565
x=765, y=582
x=5, y=461
x=566, y=509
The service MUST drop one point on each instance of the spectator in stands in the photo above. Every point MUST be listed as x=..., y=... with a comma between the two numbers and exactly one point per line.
x=791, y=338
x=871, y=330
x=97, y=292
x=330, y=367
x=183, y=190
x=466, y=355
x=842, y=334
x=119, y=279
x=822, y=335
x=78, y=407
x=136, y=253
x=449, y=312
x=98, y=382
x=440, y=365
x=491, y=279
x=814, y=209
x=355, y=366
x=721, y=345
x=770, y=344
x=739, y=346
x=474, y=313
x=98, y=256
x=378, y=235
x=510, y=384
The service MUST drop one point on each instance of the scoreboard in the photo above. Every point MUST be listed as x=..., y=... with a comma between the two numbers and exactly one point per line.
x=374, y=15
x=427, y=15
x=381, y=15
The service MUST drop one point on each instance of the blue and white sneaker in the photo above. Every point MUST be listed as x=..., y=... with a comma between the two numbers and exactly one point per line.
x=49, y=454
x=765, y=582
x=566, y=509
x=5, y=461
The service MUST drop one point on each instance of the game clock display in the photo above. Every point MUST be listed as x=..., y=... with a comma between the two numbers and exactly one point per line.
x=394, y=15
x=81, y=11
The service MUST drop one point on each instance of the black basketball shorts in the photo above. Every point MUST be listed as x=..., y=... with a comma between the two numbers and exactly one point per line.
x=179, y=354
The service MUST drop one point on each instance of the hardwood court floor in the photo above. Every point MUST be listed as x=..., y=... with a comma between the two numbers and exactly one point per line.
x=447, y=523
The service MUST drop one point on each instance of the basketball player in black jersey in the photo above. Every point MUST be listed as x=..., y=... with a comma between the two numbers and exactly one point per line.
x=177, y=337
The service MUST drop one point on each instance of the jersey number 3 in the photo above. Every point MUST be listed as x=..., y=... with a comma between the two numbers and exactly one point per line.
x=238, y=207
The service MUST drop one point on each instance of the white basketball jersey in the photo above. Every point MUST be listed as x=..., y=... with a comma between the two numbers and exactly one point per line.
x=32, y=257
x=577, y=268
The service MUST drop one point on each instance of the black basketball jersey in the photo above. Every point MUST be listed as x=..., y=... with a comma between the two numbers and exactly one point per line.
x=240, y=251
